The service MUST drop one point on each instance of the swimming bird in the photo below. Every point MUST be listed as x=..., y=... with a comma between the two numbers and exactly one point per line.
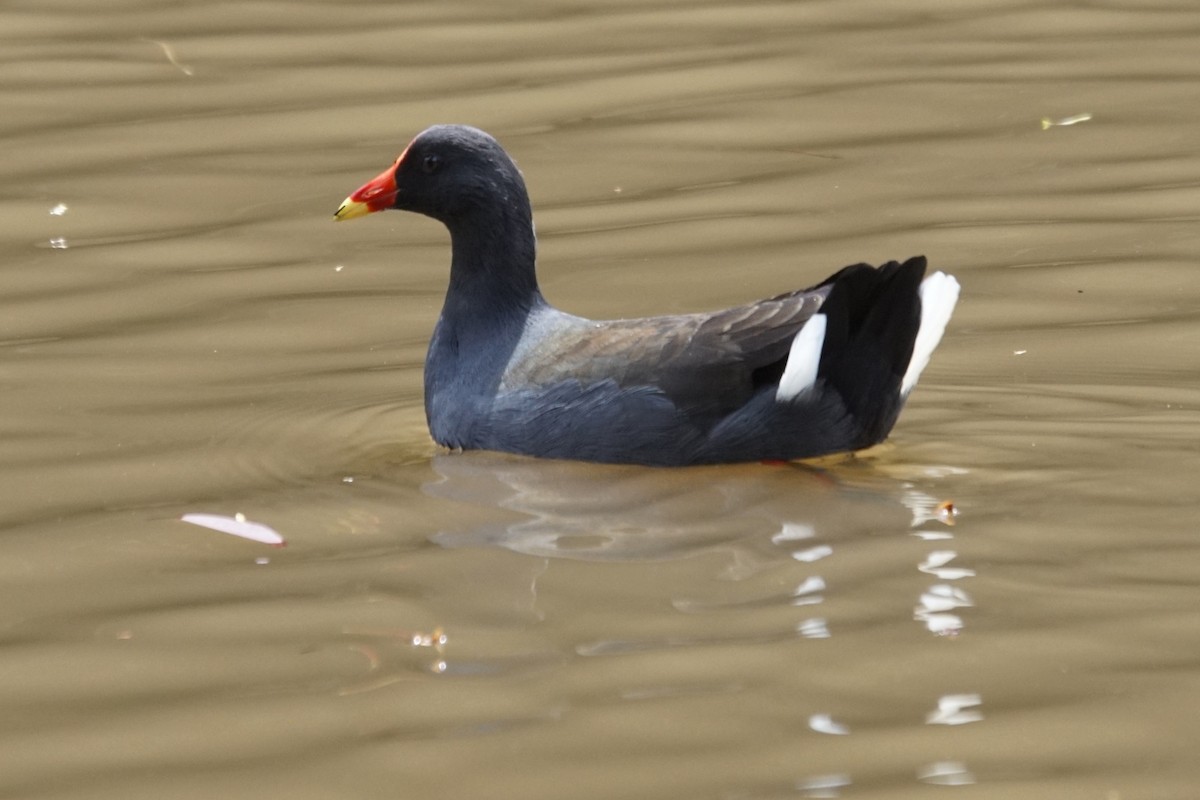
x=802, y=374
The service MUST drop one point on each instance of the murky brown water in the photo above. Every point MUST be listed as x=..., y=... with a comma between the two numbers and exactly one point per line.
x=188, y=333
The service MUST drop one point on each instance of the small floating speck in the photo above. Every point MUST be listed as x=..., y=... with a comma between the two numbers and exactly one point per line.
x=823, y=723
x=339, y=268
x=58, y=243
x=348, y=479
x=58, y=210
x=946, y=512
x=1065, y=122
x=169, y=52
x=1019, y=352
x=237, y=525
x=262, y=561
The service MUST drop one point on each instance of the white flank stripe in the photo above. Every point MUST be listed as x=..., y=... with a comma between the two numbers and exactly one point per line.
x=800, y=372
x=939, y=293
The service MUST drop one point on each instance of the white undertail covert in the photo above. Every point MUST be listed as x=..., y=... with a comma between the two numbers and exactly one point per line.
x=939, y=294
x=800, y=371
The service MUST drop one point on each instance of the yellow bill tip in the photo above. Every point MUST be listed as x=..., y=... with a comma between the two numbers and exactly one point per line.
x=349, y=209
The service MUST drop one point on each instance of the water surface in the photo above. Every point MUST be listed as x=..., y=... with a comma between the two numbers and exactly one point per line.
x=183, y=331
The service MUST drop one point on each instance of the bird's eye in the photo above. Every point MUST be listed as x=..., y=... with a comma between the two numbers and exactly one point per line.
x=431, y=164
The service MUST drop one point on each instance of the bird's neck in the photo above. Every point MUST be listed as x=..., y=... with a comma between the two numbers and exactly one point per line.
x=493, y=289
x=493, y=266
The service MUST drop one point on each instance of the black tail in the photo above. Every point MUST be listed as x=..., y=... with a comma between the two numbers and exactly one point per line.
x=873, y=316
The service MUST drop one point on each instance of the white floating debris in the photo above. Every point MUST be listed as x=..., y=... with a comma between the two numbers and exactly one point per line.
x=237, y=525
x=339, y=268
x=1065, y=122
x=955, y=709
x=823, y=723
x=58, y=243
x=169, y=52
x=58, y=210
x=1019, y=352
x=813, y=553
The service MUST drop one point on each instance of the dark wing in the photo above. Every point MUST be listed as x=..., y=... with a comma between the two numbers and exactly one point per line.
x=707, y=364
x=735, y=352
